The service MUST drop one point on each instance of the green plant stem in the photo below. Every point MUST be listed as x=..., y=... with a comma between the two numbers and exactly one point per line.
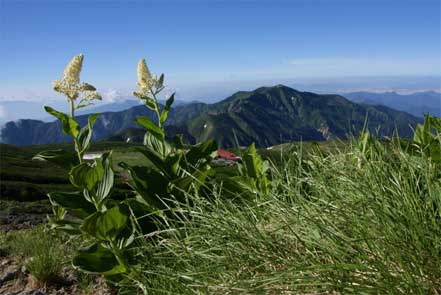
x=156, y=107
x=158, y=114
x=116, y=251
x=77, y=144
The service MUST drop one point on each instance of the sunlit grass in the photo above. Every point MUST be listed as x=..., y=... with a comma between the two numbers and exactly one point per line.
x=333, y=223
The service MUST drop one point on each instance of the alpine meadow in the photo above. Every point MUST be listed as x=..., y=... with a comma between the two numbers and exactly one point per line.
x=272, y=188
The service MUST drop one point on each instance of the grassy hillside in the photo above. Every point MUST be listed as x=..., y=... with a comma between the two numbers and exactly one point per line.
x=336, y=221
x=24, y=179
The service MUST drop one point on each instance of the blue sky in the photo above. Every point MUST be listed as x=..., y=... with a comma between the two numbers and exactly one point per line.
x=197, y=43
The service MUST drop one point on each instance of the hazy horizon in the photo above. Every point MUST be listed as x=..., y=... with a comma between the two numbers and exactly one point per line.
x=15, y=108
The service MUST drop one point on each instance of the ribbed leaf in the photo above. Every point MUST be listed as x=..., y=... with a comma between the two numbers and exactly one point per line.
x=85, y=134
x=253, y=162
x=151, y=127
x=156, y=159
x=200, y=154
x=166, y=109
x=87, y=175
x=105, y=184
x=74, y=202
x=97, y=259
x=148, y=183
x=107, y=225
x=70, y=126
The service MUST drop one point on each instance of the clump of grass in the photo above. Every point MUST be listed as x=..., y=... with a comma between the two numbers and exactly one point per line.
x=43, y=252
x=335, y=222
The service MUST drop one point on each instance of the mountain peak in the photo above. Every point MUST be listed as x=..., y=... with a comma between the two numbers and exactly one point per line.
x=278, y=86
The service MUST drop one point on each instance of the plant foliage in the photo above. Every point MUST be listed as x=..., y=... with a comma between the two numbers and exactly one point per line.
x=174, y=173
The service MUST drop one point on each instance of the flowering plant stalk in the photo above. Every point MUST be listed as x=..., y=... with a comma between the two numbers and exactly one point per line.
x=104, y=225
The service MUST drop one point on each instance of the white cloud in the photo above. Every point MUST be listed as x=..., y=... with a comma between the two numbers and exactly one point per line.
x=3, y=114
x=111, y=95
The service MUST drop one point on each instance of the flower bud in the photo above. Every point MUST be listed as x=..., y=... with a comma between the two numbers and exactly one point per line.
x=73, y=69
x=144, y=75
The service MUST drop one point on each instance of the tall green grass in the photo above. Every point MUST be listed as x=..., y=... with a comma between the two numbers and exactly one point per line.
x=336, y=222
x=43, y=253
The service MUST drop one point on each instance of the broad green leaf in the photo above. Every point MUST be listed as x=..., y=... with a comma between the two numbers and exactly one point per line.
x=67, y=226
x=428, y=141
x=241, y=187
x=166, y=109
x=264, y=185
x=70, y=126
x=253, y=162
x=144, y=215
x=150, y=103
x=105, y=184
x=200, y=154
x=74, y=202
x=87, y=87
x=97, y=259
x=81, y=106
x=139, y=95
x=418, y=136
x=197, y=178
x=85, y=134
x=160, y=146
x=435, y=151
x=160, y=82
x=183, y=183
x=156, y=159
x=178, y=141
x=148, y=183
x=107, y=225
x=58, y=212
x=436, y=124
x=151, y=127
x=87, y=175
x=59, y=157
x=423, y=133
x=172, y=161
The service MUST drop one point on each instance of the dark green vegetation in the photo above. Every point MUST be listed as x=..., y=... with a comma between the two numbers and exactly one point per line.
x=339, y=218
x=417, y=104
x=23, y=179
x=266, y=116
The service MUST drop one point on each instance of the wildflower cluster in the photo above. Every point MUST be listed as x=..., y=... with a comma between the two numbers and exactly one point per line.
x=72, y=88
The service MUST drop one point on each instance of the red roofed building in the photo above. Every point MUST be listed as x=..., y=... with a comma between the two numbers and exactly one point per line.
x=226, y=155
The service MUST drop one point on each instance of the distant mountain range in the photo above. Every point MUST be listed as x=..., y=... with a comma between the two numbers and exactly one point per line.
x=121, y=105
x=417, y=104
x=13, y=110
x=266, y=116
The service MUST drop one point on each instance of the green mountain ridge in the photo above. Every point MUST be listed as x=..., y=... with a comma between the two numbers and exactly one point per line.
x=266, y=116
